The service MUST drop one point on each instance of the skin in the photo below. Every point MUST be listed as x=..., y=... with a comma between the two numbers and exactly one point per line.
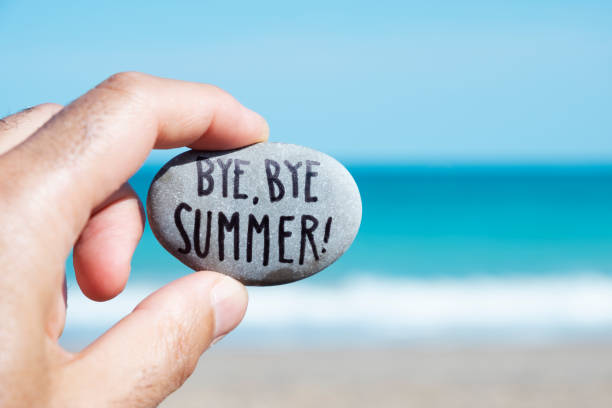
x=63, y=185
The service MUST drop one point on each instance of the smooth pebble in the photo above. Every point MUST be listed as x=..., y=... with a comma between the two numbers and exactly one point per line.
x=266, y=214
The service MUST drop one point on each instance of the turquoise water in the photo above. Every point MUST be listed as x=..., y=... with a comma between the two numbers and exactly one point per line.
x=424, y=222
x=444, y=252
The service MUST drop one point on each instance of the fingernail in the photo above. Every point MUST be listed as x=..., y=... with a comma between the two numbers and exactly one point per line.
x=229, y=300
x=259, y=121
x=265, y=133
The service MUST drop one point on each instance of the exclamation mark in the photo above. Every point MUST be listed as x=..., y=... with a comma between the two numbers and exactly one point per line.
x=327, y=231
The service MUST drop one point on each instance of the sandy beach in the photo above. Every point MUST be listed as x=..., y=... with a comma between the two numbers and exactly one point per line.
x=486, y=376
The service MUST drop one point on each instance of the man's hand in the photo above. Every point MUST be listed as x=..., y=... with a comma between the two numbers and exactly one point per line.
x=63, y=185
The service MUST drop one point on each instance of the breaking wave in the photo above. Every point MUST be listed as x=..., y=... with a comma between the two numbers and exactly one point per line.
x=369, y=310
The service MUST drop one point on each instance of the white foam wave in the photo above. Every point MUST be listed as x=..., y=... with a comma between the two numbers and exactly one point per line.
x=402, y=308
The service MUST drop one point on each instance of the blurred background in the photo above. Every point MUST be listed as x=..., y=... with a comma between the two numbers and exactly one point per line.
x=484, y=280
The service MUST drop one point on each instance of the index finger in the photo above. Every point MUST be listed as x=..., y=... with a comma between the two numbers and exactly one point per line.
x=96, y=143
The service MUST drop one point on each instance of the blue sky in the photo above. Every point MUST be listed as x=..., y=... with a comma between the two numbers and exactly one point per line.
x=378, y=81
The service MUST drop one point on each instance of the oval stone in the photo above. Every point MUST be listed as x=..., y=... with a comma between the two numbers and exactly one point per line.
x=266, y=214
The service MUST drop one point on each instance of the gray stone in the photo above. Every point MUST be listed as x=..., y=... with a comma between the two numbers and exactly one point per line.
x=266, y=214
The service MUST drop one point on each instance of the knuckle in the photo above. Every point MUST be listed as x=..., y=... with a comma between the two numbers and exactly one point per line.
x=124, y=79
x=218, y=93
x=128, y=84
x=125, y=92
x=215, y=89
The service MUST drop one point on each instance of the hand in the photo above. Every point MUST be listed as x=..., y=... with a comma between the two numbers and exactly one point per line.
x=63, y=174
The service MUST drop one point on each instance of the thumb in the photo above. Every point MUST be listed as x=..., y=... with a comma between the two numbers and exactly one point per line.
x=153, y=350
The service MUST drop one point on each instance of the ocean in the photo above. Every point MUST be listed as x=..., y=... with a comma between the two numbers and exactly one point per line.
x=445, y=254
